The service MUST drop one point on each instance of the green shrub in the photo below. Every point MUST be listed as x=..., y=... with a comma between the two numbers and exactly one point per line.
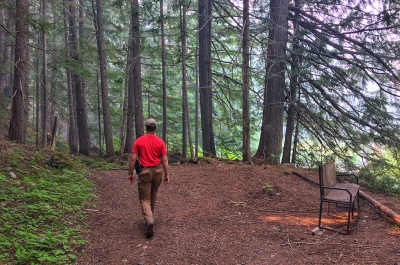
x=381, y=177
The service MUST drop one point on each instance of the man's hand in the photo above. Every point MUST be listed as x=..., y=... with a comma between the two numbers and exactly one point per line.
x=132, y=167
x=131, y=179
x=166, y=179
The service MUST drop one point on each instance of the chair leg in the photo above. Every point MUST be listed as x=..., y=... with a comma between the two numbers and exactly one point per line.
x=320, y=214
x=348, y=217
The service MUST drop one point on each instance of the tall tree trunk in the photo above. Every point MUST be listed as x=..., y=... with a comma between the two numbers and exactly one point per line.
x=52, y=89
x=19, y=110
x=293, y=87
x=164, y=78
x=37, y=93
x=137, y=69
x=81, y=99
x=270, y=145
x=246, y=83
x=6, y=75
x=99, y=115
x=130, y=91
x=205, y=79
x=184, y=84
x=45, y=95
x=72, y=130
x=196, y=116
x=186, y=132
x=123, y=129
x=78, y=83
x=11, y=25
x=104, y=85
x=124, y=114
x=296, y=135
x=2, y=48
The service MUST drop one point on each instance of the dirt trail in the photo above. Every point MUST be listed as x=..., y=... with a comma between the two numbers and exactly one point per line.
x=220, y=214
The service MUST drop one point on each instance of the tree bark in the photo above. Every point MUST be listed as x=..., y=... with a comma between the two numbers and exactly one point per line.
x=99, y=115
x=54, y=134
x=104, y=84
x=130, y=91
x=45, y=95
x=186, y=131
x=196, y=116
x=37, y=94
x=163, y=75
x=78, y=83
x=293, y=89
x=19, y=111
x=205, y=78
x=6, y=55
x=184, y=84
x=270, y=145
x=246, y=84
x=72, y=130
x=296, y=137
x=137, y=69
x=2, y=49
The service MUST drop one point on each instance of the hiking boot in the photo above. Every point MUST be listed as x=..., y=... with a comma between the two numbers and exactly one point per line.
x=149, y=231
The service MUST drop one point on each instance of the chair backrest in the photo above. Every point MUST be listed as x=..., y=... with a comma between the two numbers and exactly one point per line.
x=327, y=176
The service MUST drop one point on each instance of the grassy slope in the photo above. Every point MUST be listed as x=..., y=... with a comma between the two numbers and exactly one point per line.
x=41, y=217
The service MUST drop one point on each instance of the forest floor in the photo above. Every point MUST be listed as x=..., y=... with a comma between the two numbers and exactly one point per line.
x=229, y=213
x=220, y=213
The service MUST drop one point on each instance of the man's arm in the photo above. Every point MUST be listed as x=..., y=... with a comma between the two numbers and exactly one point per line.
x=164, y=161
x=132, y=167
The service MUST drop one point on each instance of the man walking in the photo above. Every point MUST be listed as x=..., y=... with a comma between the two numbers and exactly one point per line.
x=151, y=153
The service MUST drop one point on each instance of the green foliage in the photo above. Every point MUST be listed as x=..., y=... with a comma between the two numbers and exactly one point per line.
x=229, y=147
x=98, y=163
x=62, y=146
x=38, y=218
x=15, y=159
x=381, y=176
x=267, y=187
x=60, y=160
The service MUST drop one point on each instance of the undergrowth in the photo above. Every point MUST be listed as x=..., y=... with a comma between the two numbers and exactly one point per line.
x=41, y=217
x=382, y=178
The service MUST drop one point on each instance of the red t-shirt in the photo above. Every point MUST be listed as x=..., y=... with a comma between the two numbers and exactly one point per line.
x=149, y=148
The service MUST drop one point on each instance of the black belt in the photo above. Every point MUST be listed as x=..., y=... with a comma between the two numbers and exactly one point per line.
x=153, y=166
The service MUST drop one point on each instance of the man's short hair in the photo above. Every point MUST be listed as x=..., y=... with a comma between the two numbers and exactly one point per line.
x=151, y=124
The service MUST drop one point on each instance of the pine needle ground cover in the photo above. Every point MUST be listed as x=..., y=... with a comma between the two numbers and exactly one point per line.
x=233, y=213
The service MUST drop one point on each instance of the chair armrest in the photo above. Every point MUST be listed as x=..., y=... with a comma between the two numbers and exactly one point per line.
x=334, y=188
x=348, y=175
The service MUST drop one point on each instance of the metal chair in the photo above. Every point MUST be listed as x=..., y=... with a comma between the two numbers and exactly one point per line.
x=332, y=191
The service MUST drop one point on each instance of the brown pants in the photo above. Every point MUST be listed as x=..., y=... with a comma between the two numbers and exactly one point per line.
x=148, y=182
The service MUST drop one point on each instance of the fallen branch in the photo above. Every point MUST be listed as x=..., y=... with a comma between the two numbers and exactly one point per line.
x=392, y=214
x=305, y=178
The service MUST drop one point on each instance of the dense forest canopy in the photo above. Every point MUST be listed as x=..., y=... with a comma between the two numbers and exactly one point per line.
x=323, y=76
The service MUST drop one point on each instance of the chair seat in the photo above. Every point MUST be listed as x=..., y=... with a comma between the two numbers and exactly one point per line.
x=342, y=195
